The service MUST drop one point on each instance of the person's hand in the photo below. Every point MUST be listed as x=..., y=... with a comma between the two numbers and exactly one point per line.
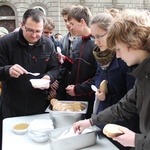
x=127, y=139
x=70, y=90
x=52, y=94
x=47, y=78
x=100, y=95
x=55, y=85
x=60, y=57
x=16, y=70
x=81, y=125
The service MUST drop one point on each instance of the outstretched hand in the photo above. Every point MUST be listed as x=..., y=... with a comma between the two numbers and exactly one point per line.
x=70, y=90
x=81, y=125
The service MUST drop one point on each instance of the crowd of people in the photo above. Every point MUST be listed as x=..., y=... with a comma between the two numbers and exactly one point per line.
x=112, y=46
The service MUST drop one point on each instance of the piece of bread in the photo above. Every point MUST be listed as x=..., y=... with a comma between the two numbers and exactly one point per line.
x=77, y=106
x=103, y=87
x=66, y=107
x=112, y=130
x=57, y=106
x=54, y=101
x=61, y=106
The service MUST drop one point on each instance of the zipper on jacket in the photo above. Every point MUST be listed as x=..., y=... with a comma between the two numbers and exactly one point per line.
x=78, y=68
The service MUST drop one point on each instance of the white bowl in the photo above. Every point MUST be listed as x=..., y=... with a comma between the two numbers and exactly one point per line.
x=39, y=83
x=41, y=125
x=38, y=136
x=39, y=129
x=39, y=139
x=21, y=128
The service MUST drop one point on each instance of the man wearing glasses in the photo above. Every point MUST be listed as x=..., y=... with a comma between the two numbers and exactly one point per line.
x=22, y=52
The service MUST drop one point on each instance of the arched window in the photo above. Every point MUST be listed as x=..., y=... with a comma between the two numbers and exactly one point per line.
x=7, y=18
x=40, y=8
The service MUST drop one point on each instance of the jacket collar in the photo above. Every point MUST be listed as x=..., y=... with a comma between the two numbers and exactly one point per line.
x=24, y=42
x=86, y=37
x=143, y=69
x=114, y=64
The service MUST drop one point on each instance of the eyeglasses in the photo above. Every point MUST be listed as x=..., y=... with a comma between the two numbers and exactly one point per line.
x=98, y=36
x=31, y=31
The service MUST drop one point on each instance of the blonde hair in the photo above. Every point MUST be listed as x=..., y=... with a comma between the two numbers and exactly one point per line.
x=131, y=28
x=49, y=23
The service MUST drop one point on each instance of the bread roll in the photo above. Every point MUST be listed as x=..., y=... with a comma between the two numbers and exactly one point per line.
x=57, y=106
x=61, y=106
x=77, y=106
x=103, y=87
x=54, y=101
x=112, y=130
x=66, y=107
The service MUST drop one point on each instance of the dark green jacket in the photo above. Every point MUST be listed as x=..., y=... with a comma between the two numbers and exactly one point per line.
x=136, y=101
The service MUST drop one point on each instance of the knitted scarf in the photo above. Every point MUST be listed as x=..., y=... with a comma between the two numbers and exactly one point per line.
x=105, y=57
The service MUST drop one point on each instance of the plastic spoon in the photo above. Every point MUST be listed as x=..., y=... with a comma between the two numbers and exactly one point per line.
x=96, y=102
x=94, y=88
x=59, y=51
x=34, y=74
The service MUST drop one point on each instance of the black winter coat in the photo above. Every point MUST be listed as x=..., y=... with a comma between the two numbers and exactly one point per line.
x=17, y=93
x=83, y=68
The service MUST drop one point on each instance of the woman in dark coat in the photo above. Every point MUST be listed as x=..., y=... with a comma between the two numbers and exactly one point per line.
x=118, y=82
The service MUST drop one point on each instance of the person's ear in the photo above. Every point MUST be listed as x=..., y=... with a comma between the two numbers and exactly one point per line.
x=82, y=21
x=21, y=24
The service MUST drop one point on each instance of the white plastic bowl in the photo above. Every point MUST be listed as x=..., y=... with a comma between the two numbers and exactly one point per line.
x=39, y=83
x=38, y=137
x=21, y=128
x=39, y=129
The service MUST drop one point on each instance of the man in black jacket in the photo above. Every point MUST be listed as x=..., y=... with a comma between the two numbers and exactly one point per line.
x=20, y=52
x=82, y=65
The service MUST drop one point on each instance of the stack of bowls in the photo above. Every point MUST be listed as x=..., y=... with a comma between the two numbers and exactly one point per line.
x=39, y=129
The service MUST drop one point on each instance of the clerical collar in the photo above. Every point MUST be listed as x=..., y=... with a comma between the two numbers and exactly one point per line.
x=31, y=44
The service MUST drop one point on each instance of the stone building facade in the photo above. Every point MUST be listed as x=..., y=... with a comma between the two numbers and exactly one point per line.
x=11, y=11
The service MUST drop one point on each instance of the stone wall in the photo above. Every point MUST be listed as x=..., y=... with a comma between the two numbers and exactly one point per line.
x=52, y=8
